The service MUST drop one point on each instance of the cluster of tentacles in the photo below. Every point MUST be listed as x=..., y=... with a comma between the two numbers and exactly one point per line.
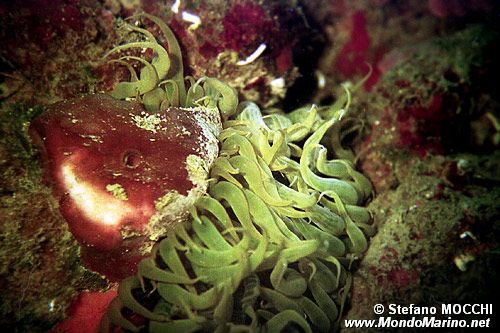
x=269, y=247
x=161, y=82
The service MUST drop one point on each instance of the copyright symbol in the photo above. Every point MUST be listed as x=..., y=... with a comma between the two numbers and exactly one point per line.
x=378, y=309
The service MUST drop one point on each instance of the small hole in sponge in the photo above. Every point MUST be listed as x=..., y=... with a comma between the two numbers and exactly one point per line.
x=132, y=159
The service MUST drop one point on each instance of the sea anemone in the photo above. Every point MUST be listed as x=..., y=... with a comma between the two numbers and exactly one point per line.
x=270, y=245
x=157, y=92
x=124, y=172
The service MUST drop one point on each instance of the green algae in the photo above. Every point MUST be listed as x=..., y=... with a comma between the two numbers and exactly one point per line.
x=40, y=258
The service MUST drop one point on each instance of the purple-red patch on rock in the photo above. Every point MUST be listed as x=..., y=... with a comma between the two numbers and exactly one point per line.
x=85, y=312
x=245, y=24
x=357, y=55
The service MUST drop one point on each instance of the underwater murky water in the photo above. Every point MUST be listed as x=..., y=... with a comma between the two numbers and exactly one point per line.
x=246, y=165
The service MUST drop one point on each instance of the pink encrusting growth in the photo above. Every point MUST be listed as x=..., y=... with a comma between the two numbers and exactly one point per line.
x=449, y=8
x=47, y=19
x=86, y=312
x=110, y=163
x=245, y=24
x=420, y=127
x=356, y=56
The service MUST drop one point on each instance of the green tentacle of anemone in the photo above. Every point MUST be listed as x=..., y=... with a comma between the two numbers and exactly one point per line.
x=269, y=247
x=161, y=83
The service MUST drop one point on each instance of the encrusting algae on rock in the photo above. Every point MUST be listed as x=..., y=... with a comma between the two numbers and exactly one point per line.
x=270, y=236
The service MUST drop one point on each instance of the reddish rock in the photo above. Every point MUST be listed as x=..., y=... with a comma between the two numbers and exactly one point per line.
x=116, y=169
x=402, y=278
x=284, y=59
x=86, y=312
x=420, y=126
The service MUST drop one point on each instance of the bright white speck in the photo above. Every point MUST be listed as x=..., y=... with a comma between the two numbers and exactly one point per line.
x=252, y=57
x=321, y=79
x=278, y=83
x=52, y=305
x=175, y=6
x=466, y=234
x=341, y=114
x=195, y=20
